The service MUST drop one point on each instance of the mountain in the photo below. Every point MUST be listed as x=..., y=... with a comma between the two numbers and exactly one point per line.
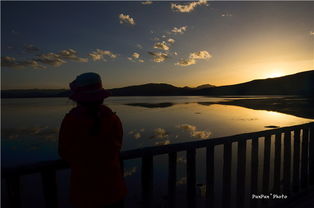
x=33, y=93
x=204, y=86
x=151, y=89
x=296, y=84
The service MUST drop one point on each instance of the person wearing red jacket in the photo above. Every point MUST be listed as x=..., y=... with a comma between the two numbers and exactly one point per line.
x=90, y=140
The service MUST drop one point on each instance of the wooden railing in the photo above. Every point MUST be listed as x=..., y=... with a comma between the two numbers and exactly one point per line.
x=296, y=178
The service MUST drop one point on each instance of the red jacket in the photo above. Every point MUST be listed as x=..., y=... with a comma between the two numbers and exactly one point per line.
x=96, y=174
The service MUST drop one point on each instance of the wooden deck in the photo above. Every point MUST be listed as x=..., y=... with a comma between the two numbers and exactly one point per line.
x=296, y=175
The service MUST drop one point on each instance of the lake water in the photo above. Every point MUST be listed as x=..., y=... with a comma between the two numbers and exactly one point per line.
x=30, y=126
x=30, y=131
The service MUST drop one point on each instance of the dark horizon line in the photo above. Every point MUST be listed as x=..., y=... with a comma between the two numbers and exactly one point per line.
x=161, y=83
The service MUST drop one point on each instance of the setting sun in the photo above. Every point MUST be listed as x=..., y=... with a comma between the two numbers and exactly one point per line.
x=275, y=74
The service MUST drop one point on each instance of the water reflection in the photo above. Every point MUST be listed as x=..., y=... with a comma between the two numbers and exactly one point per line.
x=30, y=126
x=43, y=132
x=151, y=105
x=130, y=171
x=160, y=133
x=298, y=106
x=30, y=131
x=195, y=133
x=136, y=134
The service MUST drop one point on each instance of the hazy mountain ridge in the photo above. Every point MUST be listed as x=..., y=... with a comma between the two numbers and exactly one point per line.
x=296, y=84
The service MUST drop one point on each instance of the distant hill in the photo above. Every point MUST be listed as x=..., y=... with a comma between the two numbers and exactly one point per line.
x=204, y=86
x=151, y=89
x=297, y=84
x=33, y=93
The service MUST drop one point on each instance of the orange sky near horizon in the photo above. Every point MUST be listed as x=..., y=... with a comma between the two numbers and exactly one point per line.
x=45, y=45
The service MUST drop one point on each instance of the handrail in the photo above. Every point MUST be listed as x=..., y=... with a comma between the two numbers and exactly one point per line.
x=294, y=179
x=152, y=151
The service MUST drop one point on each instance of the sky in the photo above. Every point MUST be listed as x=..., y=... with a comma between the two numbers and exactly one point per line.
x=47, y=44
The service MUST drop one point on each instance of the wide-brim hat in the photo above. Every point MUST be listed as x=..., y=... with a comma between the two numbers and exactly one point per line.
x=87, y=87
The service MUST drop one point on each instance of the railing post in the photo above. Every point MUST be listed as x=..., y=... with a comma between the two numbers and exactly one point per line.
x=287, y=163
x=191, y=177
x=13, y=187
x=266, y=168
x=254, y=170
x=311, y=154
x=172, y=178
x=296, y=161
x=226, y=187
x=50, y=187
x=241, y=173
x=305, y=158
x=210, y=197
x=277, y=165
x=147, y=180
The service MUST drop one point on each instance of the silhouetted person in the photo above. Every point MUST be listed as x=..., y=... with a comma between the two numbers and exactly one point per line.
x=90, y=140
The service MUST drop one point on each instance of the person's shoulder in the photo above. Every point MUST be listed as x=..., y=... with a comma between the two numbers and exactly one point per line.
x=76, y=111
x=106, y=111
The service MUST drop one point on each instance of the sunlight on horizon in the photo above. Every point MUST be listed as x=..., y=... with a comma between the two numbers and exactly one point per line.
x=275, y=74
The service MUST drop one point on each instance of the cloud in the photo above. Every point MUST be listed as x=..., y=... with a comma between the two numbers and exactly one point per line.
x=171, y=41
x=57, y=59
x=99, y=55
x=11, y=62
x=8, y=61
x=29, y=48
x=179, y=30
x=136, y=58
x=226, y=14
x=139, y=46
x=126, y=19
x=31, y=63
x=146, y=2
x=200, y=55
x=71, y=55
x=158, y=56
x=186, y=8
x=193, y=57
x=51, y=59
x=160, y=133
x=185, y=62
x=135, y=55
x=161, y=45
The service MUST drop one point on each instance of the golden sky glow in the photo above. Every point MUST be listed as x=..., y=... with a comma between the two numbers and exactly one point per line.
x=220, y=43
